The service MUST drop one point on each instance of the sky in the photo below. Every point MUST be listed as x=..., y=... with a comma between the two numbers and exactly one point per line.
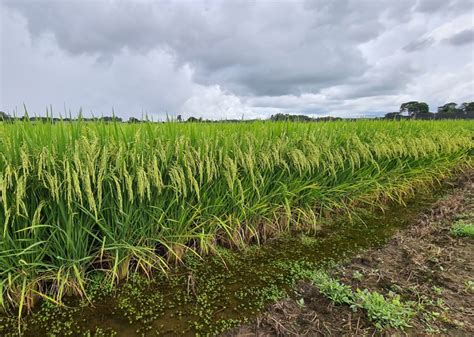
x=234, y=58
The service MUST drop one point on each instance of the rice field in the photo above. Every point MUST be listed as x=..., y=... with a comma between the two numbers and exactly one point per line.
x=82, y=198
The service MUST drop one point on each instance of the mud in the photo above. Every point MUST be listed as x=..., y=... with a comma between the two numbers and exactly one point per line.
x=423, y=263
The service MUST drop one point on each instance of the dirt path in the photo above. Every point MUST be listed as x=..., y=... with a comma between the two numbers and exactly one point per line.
x=424, y=264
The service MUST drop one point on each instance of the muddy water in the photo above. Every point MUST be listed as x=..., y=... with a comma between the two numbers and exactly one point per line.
x=220, y=292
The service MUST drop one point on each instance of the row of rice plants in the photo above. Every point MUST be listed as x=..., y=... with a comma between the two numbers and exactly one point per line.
x=81, y=197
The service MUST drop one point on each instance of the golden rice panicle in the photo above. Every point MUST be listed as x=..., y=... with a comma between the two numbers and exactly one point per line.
x=156, y=177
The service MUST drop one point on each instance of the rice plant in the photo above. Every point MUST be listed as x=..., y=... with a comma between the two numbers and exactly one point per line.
x=83, y=197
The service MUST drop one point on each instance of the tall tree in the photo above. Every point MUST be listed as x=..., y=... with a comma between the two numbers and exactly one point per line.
x=414, y=107
x=448, y=108
x=4, y=116
x=467, y=107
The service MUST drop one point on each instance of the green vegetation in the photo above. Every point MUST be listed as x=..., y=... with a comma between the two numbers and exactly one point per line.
x=463, y=229
x=414, y=107
x=388, y=312
x=83, y=198
x=357, y=275
x=334, y=290
x=469, y=286
x=420, y=110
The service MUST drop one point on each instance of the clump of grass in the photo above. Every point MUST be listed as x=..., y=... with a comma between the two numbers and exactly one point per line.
x=388, y=312
x=469, y=286
x=357, y=275
x=334, y=290
x=463, y=229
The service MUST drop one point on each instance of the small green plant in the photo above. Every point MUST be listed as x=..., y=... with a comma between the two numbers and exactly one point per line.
x=469, y=285
x=138, y=304
x=357, y=275
x=261, y=296
x=334, y=290
x=300, y=302
x=463, y=229
x=388, y=312
x=385, y=312
x=437, y=290
x=308, y=240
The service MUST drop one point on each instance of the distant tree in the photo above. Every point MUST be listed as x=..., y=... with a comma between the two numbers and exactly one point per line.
x=279, y=117
x=133, y=120
x=179, y=118
x=392, y=115
x=4, y=116
x=448, y=108
x=467, y=107
x=293, y=118
x=110, y=119
x=414, y=107
x=192, y=120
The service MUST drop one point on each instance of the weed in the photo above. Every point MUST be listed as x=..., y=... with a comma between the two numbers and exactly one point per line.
x=469, y=286
x=463, y=229
x=385, y=312
x=357, y=275
x=138, y=304
x=308, y=240
x=437, y=290
x=334, y=290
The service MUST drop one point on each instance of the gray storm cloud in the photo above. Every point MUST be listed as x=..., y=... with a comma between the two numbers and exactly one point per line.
x=419, y=44
x=463, y=37
x=246, y=48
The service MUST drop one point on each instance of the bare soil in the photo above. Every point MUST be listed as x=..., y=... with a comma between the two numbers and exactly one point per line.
x=423, y=263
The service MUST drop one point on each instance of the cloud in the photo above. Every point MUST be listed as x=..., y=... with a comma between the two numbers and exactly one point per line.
x=228, y=58
x=387, y=77
x=214, y=103
x=261, y=48
x=463, y=37
x=445, y=7
x=419, y=44
x=430, y=6
x=37, y=73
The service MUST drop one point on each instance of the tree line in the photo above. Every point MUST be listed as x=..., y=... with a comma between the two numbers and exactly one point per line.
x=415, y=109
x=408, y=110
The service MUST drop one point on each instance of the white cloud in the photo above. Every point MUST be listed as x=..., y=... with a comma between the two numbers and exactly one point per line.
x=217, y=59
x=211, y=102
x=39, y=74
